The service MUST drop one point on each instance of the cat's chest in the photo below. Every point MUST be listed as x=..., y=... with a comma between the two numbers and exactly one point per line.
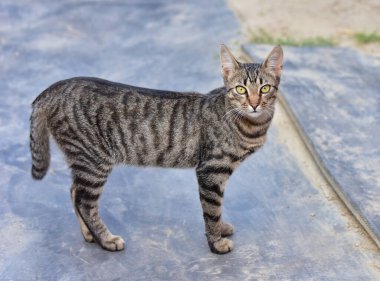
x=227, y=142
x=245, y=140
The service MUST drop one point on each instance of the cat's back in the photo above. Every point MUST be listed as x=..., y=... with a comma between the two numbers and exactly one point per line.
x=159, y=128
x=84, y=88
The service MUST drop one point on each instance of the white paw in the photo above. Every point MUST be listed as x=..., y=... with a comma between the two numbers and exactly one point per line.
x=113, y=243
x=222, y=246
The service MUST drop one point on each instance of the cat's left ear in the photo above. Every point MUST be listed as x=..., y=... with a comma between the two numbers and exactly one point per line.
x=273, y=63
x=228, y=61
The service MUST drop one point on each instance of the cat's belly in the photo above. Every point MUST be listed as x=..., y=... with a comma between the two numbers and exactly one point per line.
x=147, y=151
x=184, y=158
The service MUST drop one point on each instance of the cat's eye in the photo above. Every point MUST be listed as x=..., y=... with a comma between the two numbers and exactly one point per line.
x=265, y=89
x=241, y=90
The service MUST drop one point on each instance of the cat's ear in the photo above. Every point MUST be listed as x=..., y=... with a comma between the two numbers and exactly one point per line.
x=228, y=61
x=273, y=62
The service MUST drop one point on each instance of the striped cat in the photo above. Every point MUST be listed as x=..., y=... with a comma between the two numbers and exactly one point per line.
x=98, y=124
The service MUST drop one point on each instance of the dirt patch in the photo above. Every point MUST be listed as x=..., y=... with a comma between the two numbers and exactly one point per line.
x=339, y=22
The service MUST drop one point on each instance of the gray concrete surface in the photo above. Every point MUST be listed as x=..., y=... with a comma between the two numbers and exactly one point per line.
x=286, y=229
x=333, y=95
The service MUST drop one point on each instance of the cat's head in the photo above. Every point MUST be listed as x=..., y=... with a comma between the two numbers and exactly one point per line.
x=252, y=87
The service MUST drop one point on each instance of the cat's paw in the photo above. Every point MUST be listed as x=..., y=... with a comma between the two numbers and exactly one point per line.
x=113, y=243
x=227, y=229
x=222, y=246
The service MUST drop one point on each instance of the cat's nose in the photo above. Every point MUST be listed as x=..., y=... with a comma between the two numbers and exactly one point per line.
x=254, y=107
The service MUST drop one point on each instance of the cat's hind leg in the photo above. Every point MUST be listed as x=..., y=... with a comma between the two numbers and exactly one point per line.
x=85, y=231
x=88, y=182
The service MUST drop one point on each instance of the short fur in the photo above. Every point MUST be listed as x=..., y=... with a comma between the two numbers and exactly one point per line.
x=98, y=124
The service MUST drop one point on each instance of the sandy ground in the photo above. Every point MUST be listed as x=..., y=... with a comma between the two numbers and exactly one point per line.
x=298, y=19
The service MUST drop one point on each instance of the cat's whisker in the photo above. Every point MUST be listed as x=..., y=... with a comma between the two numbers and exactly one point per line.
x=236, y=113
x=230, y=109
x=229, y=112
x=240, y=115
x=269, y=113
x=234, y=117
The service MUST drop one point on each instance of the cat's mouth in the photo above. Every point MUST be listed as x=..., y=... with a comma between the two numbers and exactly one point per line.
x=254, y=111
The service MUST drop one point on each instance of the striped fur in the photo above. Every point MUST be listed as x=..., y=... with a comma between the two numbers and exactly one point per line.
x=98, y=124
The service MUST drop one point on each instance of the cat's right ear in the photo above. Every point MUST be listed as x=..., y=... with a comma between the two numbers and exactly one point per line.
x=228, y=61
x=274, y=61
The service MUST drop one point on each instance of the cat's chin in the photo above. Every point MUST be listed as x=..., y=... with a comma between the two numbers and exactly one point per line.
x=254, y=114
x=258, y=116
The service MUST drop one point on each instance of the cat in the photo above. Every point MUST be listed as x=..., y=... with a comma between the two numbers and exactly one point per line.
x=98, y=124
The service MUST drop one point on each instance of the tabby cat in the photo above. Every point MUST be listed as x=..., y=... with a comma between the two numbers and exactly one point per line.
x=98, y=124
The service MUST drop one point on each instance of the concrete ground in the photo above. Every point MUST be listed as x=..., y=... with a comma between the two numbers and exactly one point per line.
x=330, y=93
x=290, y=224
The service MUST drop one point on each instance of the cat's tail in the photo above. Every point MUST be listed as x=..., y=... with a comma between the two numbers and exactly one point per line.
x=39, y=142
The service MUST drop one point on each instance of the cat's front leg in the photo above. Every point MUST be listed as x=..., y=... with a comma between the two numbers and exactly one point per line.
x=212, y=179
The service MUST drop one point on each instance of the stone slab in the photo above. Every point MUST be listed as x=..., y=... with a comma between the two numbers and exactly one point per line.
x=333, y=94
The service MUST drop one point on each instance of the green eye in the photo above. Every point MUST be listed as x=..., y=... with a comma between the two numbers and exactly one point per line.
x=240, y=90
x=265, y=89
